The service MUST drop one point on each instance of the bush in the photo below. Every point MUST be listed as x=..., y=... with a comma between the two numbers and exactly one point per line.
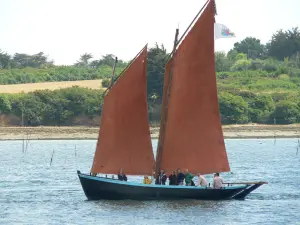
x=233, y=108
x=242, y=64
x=106, y=82
x=286, y=112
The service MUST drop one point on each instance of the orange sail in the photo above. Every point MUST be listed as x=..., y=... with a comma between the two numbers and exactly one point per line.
x=193, y=137
x=124, y=140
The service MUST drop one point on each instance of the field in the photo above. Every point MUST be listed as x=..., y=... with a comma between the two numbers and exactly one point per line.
x=25, y=88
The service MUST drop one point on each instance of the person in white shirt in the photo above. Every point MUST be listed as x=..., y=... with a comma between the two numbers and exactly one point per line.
x=201, y=181
x=218, y=181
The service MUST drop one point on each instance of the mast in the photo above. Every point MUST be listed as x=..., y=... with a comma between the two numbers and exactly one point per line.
x=190, y=25
x=112, y=77
x=113, y=73
x=165, y=114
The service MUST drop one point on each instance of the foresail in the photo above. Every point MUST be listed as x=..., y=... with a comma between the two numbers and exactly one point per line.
x=124, y=140
x=193, y=137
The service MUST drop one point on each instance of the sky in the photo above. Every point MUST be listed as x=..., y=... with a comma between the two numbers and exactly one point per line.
x=66, y=29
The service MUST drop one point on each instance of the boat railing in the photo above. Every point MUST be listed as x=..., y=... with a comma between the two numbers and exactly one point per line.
x=248, y=183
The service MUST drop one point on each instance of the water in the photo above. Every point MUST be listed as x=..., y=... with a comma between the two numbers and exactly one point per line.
x=33, y=192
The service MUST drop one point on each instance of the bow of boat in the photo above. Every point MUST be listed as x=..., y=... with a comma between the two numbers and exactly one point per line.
x=251, y=186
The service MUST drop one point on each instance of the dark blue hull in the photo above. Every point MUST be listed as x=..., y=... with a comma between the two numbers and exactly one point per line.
x=96, y=188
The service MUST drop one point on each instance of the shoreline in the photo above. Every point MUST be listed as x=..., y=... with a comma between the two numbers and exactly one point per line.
x=248, y=131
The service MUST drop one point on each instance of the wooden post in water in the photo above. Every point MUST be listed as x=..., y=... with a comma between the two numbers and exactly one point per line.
x=165, y=114
x=51, y=157
x=298, y=146
x=274, y=132
x=22, y=124
x=27, y=141
x=25, y=135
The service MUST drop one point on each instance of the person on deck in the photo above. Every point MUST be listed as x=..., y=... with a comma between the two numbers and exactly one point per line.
x=180, y=177
x=122, y=176
x=153, y=177
x=173, y=178
x=161, y=178
x=218, y=181
x=189, y=178
x=147, y=180
x=201, y=181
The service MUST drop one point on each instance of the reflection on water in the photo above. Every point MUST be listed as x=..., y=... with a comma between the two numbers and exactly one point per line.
x=34, y=192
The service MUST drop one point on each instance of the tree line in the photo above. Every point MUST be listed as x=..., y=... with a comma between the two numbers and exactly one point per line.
x=24, y=68
x=257, y=83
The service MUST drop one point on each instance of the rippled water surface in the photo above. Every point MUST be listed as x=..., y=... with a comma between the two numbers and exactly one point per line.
x=33, y=192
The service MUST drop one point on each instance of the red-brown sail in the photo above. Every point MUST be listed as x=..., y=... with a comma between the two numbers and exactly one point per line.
x=124, y=138
x=193, y=137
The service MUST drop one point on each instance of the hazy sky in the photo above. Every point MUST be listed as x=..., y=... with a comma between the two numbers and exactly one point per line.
x=65, y=29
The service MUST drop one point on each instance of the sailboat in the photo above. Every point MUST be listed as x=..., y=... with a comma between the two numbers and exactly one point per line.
x=190, y=130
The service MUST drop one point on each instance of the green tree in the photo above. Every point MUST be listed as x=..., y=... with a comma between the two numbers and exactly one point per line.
x=155, y=75
x=231, y=55
x=233, y=108
x=4, y=60
x=40, y=60
x=251, y=47
x=222, y=62
x=108, y=60
x=241, y=56
x=84, y=60
x=5, y=105
x=241, y=62
x=31, y=107
x=106, y=82
x=94, y=64
x=284, y=44
x=260, y=108
x=57, y=110
x=286, y=112
x=21, y=60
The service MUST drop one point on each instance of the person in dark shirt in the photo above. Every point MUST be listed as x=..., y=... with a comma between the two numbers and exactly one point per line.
x=161, y=178
x=180, y=177
x=173, y=178
x=122, y=176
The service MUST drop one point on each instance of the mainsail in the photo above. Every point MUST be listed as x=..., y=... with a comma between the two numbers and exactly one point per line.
x=192, y=137
x=124, y=140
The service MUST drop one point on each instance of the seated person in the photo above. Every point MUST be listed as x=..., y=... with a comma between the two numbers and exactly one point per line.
x=180, y=177
x=147, y=180
x=173, y=178
x=161, y=178
x=201, y=181
x=218, y=181
x=189, y=178
x=122, y=176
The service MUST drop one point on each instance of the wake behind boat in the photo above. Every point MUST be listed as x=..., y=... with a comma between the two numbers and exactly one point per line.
x=190, y=130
